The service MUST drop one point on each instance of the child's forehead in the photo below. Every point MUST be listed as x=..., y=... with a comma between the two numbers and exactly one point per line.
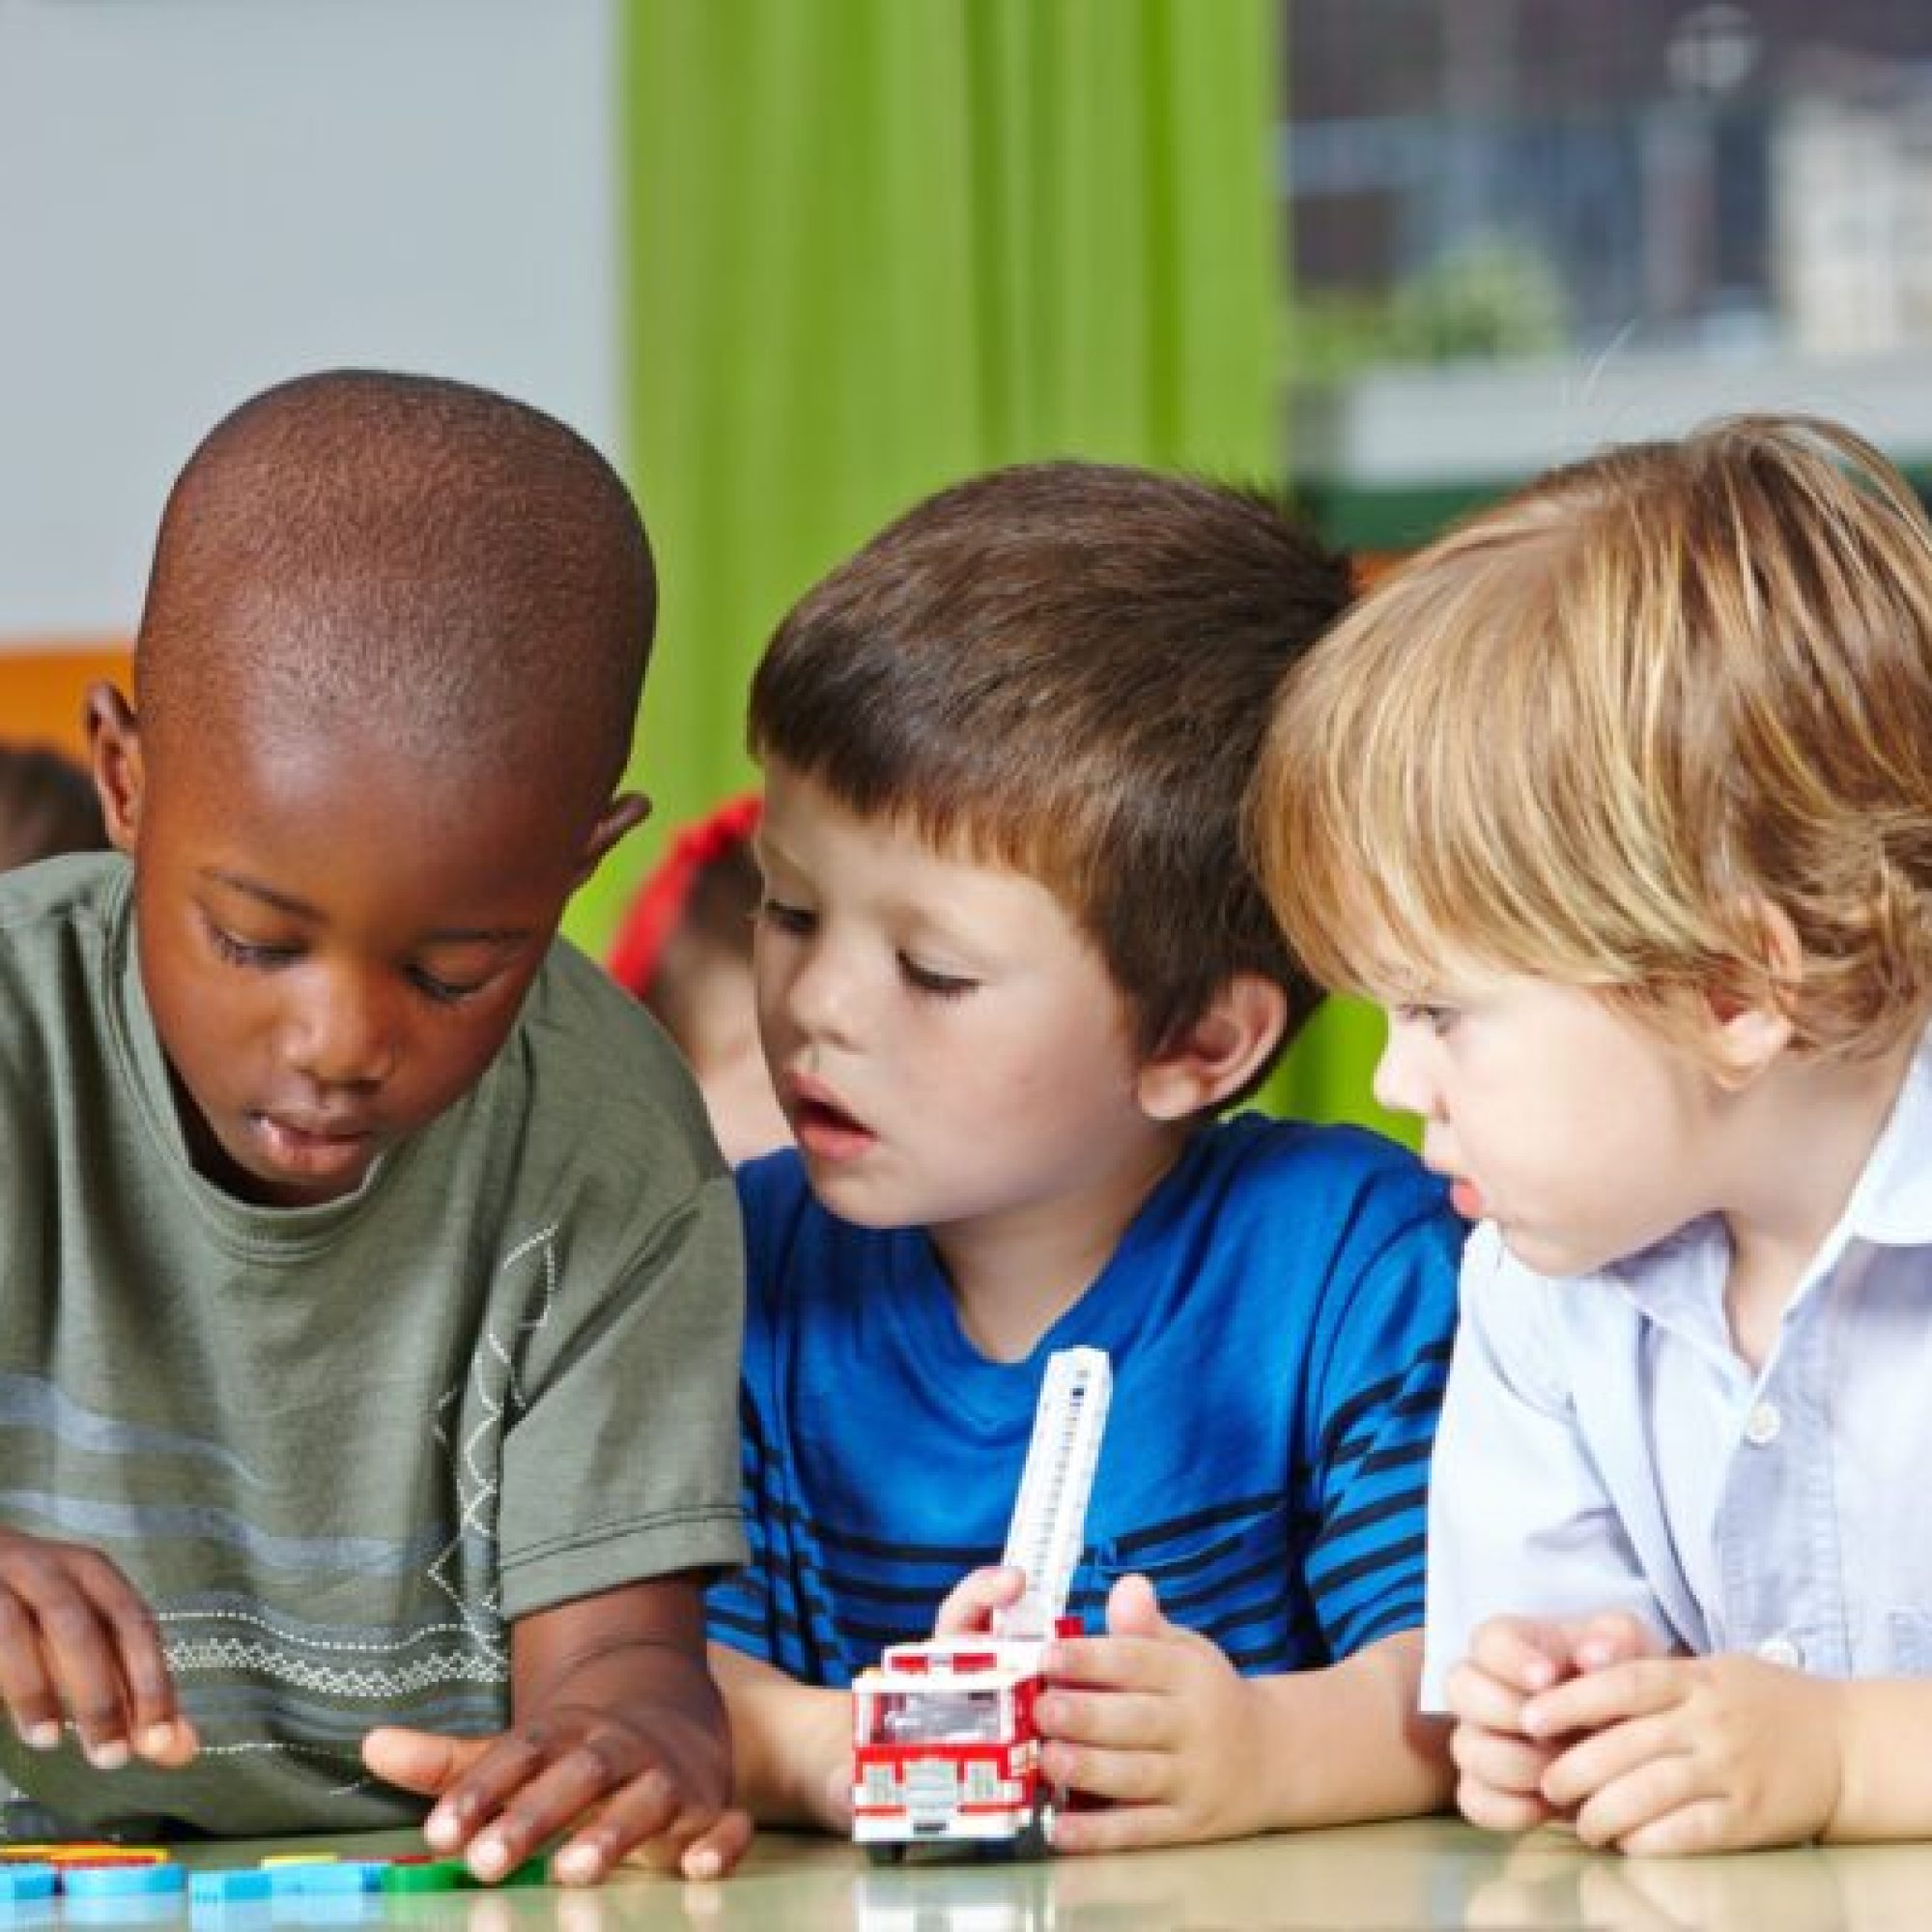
x=799, y=806
x=1419, y=965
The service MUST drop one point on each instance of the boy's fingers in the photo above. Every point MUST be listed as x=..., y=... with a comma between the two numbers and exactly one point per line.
x=1476, y=1698
x=1500, y=1761
x=717, y=1848
x=1606, y=1696
x=643, y=1819
x=1521, y=1652
x=1643, y=1796
x=1601, y=1758
x=970, y=1604
x=1698, y=1827
x=24, y=1680
x=837, y=1814
x=1122, y=1720
x=78, y=1644
x=1117, y=1828
x=480, y=1787
x=171, y=1745
x=1122, y=1776
x=1133, y=1609
x=421, y=1761
x=1110, y=1663
x=143, y=1671
x=1500, y=1810
x=1615, y=1637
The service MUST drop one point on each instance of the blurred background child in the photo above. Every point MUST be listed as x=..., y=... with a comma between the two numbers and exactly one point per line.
x=685, y=950
x=48, y=807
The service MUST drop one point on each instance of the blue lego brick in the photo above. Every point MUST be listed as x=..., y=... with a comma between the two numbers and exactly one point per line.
x=229, y=1887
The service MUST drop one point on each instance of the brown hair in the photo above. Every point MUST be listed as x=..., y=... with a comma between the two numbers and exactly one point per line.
x=1593, y=733
x=1065, y=669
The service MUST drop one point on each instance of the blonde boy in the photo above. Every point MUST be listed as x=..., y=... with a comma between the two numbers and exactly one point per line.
x=1619, y=799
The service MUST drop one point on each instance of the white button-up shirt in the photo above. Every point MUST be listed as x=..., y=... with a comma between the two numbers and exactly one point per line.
x=1604, y=1446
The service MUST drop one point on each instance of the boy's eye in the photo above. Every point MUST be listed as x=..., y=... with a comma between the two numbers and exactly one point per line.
x=783, y=917
x=245, y=952
x=444, y=992
x=1437, y=1019
x=940, y=985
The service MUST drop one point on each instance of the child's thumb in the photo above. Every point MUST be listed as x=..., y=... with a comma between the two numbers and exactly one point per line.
x=969, y=1606
x=1133, y=1609
x=419, y=1760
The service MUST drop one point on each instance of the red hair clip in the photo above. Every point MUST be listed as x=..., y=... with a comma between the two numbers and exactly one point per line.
x=652, y=916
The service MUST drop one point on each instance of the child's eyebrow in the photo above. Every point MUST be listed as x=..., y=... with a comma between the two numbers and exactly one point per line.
x=452, y=935
x=255, y=890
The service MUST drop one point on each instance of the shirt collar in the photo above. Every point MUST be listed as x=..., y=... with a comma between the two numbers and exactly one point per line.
x=1679, y=1280
x=1893, y=1200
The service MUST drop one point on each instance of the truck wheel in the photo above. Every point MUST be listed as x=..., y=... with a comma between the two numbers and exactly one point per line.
x=885, y=1854
x=1035, y=1839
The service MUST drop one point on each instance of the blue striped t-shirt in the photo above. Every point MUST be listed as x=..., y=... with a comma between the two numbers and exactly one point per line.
x=1278, y=1316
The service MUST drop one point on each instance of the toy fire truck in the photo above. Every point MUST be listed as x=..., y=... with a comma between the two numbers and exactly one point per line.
x=944, y=1745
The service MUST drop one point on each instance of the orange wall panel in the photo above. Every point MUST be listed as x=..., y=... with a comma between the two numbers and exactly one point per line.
x=41, y=692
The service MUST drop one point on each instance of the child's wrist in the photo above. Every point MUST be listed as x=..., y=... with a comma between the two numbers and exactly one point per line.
x=822, y=1762
x=1845, y=1704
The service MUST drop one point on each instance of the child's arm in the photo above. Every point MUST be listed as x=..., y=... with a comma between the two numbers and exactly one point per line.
x=617, y=1739
x=1721, y=1753
x=792, y=1743
x=77, y=1643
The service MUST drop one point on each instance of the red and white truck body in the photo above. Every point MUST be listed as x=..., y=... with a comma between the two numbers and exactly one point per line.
x=944, y=1745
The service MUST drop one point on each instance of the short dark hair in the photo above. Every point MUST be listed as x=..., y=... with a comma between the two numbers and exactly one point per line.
x=459, y=567
x=1067, y=669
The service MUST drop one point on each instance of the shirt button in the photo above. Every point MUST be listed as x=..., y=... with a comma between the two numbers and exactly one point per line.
x=1762, y=1424
x=1780, y=1650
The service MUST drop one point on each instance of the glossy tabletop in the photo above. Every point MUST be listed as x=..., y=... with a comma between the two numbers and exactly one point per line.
x=1430, y=1872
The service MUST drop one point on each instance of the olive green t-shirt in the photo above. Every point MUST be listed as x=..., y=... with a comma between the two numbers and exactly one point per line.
x=340, y=1449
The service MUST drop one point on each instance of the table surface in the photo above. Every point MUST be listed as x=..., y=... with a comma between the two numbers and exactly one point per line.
x=1425, y=1872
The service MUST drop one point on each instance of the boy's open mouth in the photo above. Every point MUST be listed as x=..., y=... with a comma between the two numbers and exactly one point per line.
x=827, y=1130
x=823, y=1114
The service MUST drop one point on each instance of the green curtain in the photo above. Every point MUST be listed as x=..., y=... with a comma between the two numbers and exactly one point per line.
x=872, y=245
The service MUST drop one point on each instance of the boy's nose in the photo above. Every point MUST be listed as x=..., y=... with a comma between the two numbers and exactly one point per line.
x=1399, y=1083
x=341, y=1033
x=823, y=1001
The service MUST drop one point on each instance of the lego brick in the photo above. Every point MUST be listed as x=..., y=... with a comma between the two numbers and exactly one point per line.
x=229, y=1887
x=121, y=1881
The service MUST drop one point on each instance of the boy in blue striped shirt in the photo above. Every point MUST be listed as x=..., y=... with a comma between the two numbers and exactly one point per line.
x=1010, y=968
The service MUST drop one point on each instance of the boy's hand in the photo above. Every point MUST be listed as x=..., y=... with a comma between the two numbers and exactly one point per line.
x=76, y=1642
x=1154, y=1719
x=1151, y=1716
x=1502, y=1764
x=618, y=1746
x=1695, y=1754
x=970, y=1604
x=503, y=1799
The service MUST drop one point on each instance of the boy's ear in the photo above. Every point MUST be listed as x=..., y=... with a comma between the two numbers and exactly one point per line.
x=114, y=751
x=1749, y=1034
x=1218, y=1054
x=622, y=816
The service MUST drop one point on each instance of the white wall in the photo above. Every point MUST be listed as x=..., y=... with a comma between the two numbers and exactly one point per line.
x=199, y=197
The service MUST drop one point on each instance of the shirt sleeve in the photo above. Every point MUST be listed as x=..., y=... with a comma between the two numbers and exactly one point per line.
x=742, y=1609
x=630, y=1417
x=1519, y=1522
x=1380, y=1389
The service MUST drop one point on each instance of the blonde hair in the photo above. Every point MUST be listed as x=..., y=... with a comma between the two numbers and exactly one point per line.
x=1593, y=733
